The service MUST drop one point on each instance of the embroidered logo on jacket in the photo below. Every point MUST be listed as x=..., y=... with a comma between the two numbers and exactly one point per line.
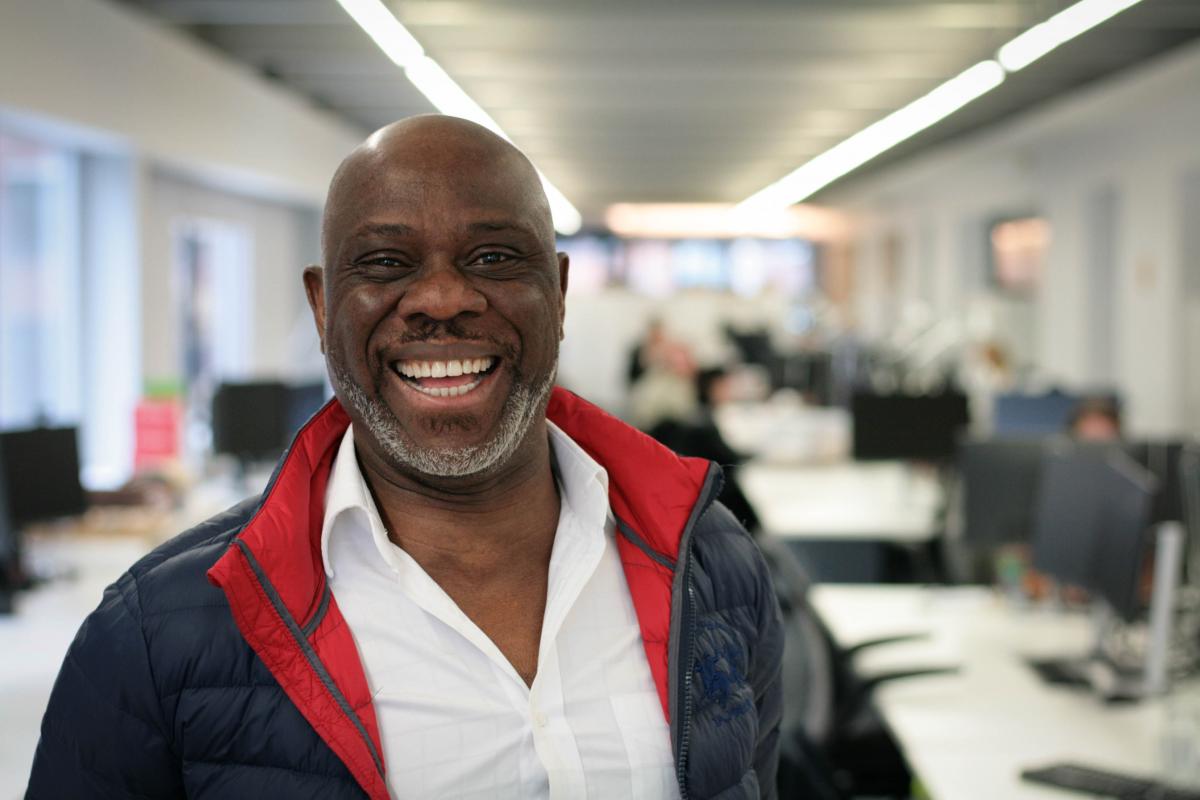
x=721, y=679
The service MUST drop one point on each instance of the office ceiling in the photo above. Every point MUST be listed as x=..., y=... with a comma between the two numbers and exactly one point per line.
x=675, y=100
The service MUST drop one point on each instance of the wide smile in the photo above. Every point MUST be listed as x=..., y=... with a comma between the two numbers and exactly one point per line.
x=449, y=381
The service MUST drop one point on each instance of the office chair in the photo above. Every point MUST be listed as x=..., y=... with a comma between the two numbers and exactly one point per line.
x=832, y=743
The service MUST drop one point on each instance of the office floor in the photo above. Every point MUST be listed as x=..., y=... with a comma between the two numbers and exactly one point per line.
x=34, y=640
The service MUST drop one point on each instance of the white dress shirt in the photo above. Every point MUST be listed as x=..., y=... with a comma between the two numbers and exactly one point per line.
x=455, y=718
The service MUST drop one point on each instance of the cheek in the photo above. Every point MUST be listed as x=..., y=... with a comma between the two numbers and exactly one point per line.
x=355, y=316
x=535, y=313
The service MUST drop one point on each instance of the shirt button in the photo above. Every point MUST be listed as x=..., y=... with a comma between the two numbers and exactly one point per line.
x=539, y=719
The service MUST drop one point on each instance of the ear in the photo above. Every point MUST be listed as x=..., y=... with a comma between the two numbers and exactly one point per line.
x=314, y=287
x=564, y=264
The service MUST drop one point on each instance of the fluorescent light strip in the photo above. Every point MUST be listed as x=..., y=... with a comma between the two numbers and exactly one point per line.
x=382, y=26
x=446, y=95
x=875, y=139
x=441, y=90
x=1062, y=27
x=935, y=106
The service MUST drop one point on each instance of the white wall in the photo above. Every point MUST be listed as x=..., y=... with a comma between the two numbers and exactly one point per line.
x=284, y=239
x=105, y=67
x=1136, y=136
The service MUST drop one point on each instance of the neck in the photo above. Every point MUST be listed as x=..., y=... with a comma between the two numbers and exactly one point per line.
x=479, y=527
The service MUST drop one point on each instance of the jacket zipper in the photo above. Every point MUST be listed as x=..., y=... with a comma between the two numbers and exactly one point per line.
x=712, y=487
x=685, y=702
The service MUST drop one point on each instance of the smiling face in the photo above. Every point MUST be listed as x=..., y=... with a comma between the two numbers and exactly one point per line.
x=441, y=302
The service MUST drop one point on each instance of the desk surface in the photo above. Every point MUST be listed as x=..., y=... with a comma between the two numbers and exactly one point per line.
x=968, y=736
x=887, y=501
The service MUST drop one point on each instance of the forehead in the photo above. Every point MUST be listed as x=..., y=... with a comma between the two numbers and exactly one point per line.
x=434, y=193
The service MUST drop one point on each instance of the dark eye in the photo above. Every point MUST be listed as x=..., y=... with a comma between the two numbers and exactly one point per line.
x=383, y=261
x=493, y=257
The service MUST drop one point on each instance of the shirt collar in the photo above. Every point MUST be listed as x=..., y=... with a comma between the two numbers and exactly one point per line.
x=347, y=493
x=582, y=482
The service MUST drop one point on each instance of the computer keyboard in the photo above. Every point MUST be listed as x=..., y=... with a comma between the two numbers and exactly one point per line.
x=1101, y=783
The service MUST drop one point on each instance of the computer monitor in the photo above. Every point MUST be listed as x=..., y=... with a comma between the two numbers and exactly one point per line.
x=251, y=420
x=10, y=550
x=1124, y=537
x=1091, y=523
x=1189, y=482
x=1000, y=482
x=907, y=427
x=754, y=347
x=9, y=546
x=1029, y=415
x=41, y=469
x=1162, y=459
x=304, y=400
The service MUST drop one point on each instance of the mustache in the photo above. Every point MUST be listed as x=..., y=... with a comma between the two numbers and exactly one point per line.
x=453, y=329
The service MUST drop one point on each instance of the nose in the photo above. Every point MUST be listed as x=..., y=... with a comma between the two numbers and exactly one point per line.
x=440, y=291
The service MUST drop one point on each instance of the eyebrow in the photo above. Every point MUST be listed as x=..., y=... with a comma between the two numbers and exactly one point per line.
x=383, y=229
x=496, y=227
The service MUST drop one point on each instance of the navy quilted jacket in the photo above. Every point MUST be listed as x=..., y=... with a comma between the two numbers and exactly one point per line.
x=220, y=667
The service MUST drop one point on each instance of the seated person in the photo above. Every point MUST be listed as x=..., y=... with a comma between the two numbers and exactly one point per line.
x=1095, y=419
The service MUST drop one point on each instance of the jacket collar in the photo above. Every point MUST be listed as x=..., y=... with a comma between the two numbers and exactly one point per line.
x=274, y=579
x=651, y=489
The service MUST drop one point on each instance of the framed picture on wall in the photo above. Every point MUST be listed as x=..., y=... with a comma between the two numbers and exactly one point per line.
x=1017, y=252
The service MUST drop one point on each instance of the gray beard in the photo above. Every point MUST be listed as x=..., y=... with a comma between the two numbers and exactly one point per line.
x=524, y=405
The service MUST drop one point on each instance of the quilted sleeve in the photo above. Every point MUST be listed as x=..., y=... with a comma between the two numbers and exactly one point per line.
x=765, y=677
x=103, y=734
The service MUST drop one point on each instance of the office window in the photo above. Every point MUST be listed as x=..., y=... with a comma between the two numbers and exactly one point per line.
x=591, y=267
x=699, y=263
x=659, y=268
x=40, y=332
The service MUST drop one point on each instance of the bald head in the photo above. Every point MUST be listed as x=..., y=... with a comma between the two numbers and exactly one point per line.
x=433, y=152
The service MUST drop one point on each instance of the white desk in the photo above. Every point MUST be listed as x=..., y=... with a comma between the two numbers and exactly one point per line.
x=783, y=431
x=968, y=736
x=884, y=501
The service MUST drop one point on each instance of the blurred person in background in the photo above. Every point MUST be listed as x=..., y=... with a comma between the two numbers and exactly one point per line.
x=663, y=375
x=697, y=435
x=1095, y=419
x=461, y=580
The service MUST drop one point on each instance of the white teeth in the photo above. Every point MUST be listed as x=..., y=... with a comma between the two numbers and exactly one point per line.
x=448, y=391
x=443, y=369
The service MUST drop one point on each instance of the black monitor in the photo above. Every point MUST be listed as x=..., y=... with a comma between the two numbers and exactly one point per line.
x=1189, y=483
x=907, y=427
x=1000, y=482
x=754, y=347
x=251, y=420
x=9, y=546
x=304, y=400
x=41, y=468
x=1091, y=523
x=1162, y=459
x=1124, y=537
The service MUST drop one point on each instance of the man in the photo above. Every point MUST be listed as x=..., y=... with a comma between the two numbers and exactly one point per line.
x=460, y=580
